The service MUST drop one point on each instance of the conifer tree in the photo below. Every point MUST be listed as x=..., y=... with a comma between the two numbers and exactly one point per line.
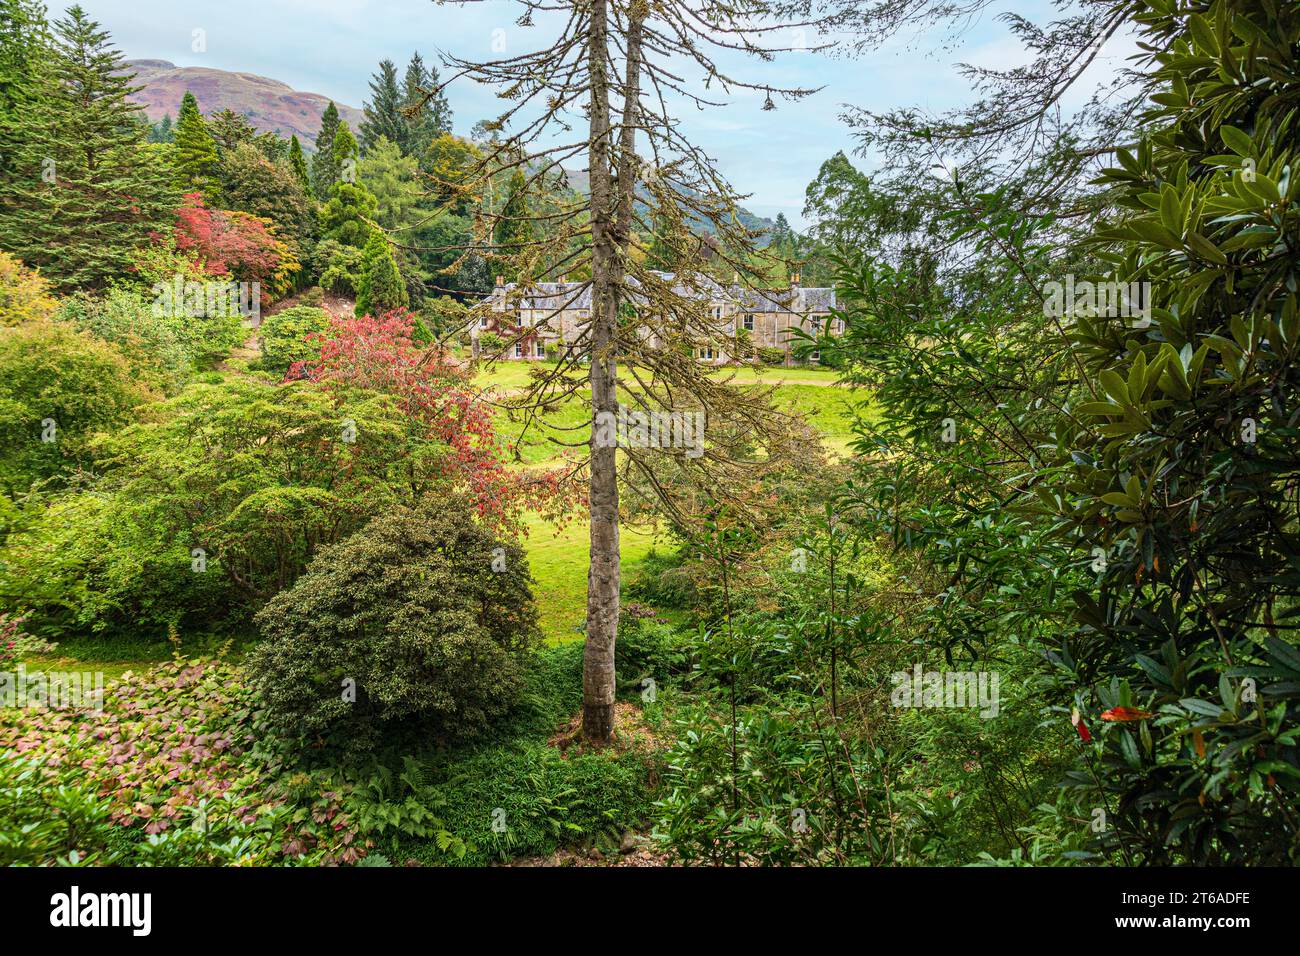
x=348, y=215
x=383, y=114
x=298, y=164
x=324, y=168
x=195, y=147
x=515, y=229
x=25, y=49
x=86, y=189
x=162, y=131
x=431, y=116
x=382, y=287
x=229, y=129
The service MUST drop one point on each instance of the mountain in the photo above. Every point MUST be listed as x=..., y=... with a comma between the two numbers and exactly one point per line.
x=579, y=181
x=271, y=106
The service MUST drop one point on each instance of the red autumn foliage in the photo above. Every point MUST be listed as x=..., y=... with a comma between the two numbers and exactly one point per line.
x=229, y=243
x=379, y=354
x=1125, y=714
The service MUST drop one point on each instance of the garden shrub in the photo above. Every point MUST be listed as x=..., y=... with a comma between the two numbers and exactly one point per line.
x=260, y=475
x=423, y=614
x=648, y=647
x=58, y=386
x=153, y=344
x=284, y=336
x=84, y=566
x=543, y=799
x=25, y=295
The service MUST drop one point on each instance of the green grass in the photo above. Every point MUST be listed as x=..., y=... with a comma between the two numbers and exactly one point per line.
x=559, y=564
x=508, y=375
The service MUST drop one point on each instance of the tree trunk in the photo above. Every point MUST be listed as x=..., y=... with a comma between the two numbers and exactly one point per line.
x=603, y=571
x=611, y=212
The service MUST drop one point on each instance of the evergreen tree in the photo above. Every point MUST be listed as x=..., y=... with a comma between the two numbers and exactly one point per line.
x=298, y=164
x=25, y=50
x=347, y=216
x=162, y=131
x=195, y=147
x=514, y=231
x=324, y=168
x=383, y=114
x=663, y=254
x=87, y=190
x=404, y=211
x=229, y=129
x=382, y=287
x=782, y=234
x=346, y=153
x=253, y=184
x=433, y=118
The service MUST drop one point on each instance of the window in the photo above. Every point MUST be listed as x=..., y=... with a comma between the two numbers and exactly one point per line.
x=716, y=312
x=815, y=356
x=541, y=349
x=519, y=350
x=749, y=322
x=706, y=352
x=816, y=325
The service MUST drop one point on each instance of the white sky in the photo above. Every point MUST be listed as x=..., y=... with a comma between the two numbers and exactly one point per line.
x=333, y=46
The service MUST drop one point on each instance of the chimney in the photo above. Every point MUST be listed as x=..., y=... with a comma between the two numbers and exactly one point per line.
x=501, y=280
x=564, y=279
x=794, y=280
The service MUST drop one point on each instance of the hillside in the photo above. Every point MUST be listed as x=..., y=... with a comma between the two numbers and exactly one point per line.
x=578, y=180
x=271, y=106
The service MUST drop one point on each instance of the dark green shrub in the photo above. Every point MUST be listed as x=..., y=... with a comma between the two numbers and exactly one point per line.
x=527, y=798
x=648, y=647
x=664, y=581
x=407, y=620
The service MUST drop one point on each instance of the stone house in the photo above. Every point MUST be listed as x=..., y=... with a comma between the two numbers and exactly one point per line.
x=544, y=318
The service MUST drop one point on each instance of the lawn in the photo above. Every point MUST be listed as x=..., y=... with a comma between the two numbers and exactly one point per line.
x=811, y=392
x=559, y=565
